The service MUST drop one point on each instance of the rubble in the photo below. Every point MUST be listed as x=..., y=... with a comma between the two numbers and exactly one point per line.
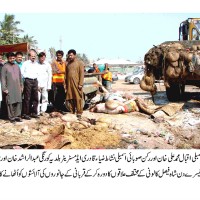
x=171, y=126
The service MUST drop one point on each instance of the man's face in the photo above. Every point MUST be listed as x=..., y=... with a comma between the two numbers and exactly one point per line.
x=11, y=59
x=32, y=56
x=18, y=58
x=59, y=57
x=42, y=59
x=71, y=57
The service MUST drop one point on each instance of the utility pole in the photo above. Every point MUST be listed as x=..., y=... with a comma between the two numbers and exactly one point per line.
x=13, y=36
x=60, y=41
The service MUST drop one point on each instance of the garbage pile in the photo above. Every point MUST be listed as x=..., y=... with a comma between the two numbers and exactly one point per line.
x=57, y=131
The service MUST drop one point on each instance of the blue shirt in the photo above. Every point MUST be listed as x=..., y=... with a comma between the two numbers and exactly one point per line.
x=101, y=68
x=19, y=64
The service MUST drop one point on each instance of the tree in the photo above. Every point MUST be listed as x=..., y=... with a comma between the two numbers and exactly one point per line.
x=52, y=52
x=33, y=43
x=9, y=33
x=84, y=58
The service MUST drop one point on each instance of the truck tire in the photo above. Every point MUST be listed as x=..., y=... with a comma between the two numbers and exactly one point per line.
x=175, y=92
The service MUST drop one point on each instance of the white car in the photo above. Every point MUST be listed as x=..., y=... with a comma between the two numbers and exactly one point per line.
x=136, y=77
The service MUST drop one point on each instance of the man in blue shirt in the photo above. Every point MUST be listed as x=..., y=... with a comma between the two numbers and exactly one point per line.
x=18, y=59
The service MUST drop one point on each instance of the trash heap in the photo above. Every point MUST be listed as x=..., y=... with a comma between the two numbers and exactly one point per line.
x=57, y=131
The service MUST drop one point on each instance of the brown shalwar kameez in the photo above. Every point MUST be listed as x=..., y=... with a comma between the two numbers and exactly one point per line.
x=12, y=81
x=74, y=77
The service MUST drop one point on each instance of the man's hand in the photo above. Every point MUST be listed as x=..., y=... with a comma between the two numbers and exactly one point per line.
x=5, y=91
x=80, y=87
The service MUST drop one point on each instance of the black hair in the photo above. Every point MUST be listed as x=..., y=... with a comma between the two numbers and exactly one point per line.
x=59, y=52
x=72, y=51
x=41, y=54
x=33, y=51
x=90, y=70
x=19, y=53
x=10, y=54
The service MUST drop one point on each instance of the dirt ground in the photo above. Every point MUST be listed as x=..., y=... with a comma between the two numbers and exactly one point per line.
x=181, y=130
x=135, y=130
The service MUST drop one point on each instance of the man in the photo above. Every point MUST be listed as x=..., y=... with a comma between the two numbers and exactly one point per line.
x=2, y=62
x=96, y=69
x=12, y=88
x=58, y=71
x=30, y=71
x=3, y=112
x=107, y=78
x=1, y=65
x=74, y=78
x=18, y=59
x=44, y=83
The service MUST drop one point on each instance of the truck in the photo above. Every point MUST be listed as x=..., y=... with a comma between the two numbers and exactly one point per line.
x=176, y=63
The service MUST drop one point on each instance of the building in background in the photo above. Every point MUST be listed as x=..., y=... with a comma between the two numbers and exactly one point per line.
x=119, y=65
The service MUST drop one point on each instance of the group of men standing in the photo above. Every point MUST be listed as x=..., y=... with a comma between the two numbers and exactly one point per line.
x=26, y=86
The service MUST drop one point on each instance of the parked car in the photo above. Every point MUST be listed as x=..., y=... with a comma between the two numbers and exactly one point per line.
x=136, y=70
x=88, y=68
x=127, y=78
x=136, y=77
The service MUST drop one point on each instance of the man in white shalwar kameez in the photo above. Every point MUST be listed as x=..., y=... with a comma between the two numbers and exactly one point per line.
x=44, y=83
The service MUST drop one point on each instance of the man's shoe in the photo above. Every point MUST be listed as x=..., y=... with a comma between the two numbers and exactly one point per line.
x=26, y=117
x=41, y=114
x=79, y=117
x=12, y=121
x=35, y=116
x=63, y=112
x=17, y=119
